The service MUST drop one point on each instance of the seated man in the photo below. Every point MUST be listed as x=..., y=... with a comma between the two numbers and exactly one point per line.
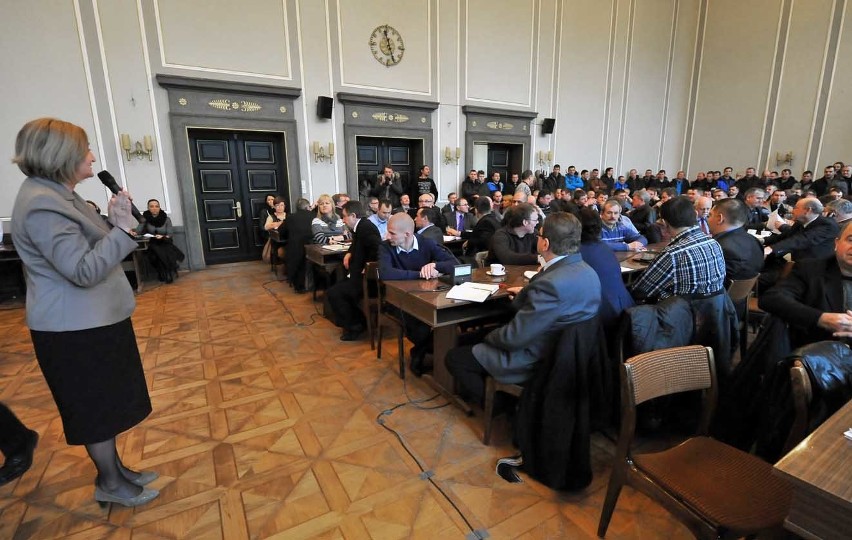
x=461, y=220
x=810, y=236
x=545, y=306
x=426, y=226
x=515, y=242
x=839, y=210
x=742, y=251
x=816, y=298
x=380, y=218
x=618, y=231
x=702, y=212
x=692, y=265
x=486, y=225
x=758, y=214
x=406, y=256
x=345, y=296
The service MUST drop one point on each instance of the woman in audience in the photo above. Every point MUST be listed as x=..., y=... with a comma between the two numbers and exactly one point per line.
x=264, y=212
x=615, y=298
x=327, y=227
x=79, y=303
x=276, y=220
x=163, y=255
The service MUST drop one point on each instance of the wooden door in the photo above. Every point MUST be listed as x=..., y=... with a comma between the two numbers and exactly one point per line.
x=233, y=172
x=404, y=155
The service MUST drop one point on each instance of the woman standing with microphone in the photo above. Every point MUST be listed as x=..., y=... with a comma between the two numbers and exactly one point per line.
x=79, y=302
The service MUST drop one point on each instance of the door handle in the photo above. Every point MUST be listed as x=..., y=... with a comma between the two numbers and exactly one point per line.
x=239, y=209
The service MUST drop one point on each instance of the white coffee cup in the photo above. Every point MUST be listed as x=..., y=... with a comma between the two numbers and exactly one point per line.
x=498, y=269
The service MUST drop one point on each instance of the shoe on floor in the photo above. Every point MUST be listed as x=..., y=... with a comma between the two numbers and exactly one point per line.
x=19, y=462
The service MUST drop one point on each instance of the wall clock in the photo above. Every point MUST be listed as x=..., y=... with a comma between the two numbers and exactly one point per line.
x=386, y=45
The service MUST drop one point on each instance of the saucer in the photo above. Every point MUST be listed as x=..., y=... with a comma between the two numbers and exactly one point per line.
x=495, y=275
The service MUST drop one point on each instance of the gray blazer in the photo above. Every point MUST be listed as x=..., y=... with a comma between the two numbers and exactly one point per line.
x=72, y=260
x=567, y=292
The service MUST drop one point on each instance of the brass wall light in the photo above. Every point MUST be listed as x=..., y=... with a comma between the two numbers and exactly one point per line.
x=320, y=153
x=544, y=157
x=448, y=155
x=786, y=158
x=139, y=149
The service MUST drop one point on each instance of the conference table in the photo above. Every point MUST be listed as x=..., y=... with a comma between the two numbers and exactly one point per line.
x=820, y=472
x=426, y=300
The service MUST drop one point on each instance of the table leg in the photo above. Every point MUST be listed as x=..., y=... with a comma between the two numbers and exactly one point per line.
x=138, y=271
x=444, y=338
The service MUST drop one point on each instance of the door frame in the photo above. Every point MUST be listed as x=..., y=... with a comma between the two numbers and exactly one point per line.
x=384, y=118
x=208, y=104
x=497, y=126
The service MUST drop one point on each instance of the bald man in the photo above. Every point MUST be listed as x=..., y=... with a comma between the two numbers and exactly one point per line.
x=406, y=255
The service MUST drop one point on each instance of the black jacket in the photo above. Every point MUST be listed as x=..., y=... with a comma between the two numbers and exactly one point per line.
x=365, y=246
x=298, y=234
x=816, y=241
x=743, y=254
x=569, y=396
x=479, y=239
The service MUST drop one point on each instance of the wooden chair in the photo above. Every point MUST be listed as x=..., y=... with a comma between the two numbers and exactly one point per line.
x=480, y=258
x=491, y=389
x=386, y=316
x=754, y=312
x=370, y=301
x=740, y=291
x=802, y=395
x=714, y=489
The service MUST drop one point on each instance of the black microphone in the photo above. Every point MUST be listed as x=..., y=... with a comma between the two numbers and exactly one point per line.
x=109, y=181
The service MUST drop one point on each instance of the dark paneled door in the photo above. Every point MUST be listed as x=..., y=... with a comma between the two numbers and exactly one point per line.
x=404, y=155
x=233, y=172
x=505, y=159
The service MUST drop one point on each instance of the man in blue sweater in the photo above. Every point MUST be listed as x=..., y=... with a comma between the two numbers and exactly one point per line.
x=405, y=255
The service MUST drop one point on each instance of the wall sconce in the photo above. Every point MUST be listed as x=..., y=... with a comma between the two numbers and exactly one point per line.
x=544, y=157
x=320, y=152
x=785, y=158
x=448, y=155
x=137, y=149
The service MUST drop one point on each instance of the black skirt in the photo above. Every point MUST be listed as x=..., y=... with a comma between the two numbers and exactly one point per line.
x=96, y=378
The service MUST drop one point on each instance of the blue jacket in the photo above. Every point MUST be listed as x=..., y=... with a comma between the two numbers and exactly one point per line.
x=394, y=264
x=614, y=296
x=573, y=182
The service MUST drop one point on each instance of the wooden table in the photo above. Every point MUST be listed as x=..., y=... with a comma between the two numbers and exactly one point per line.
x=820, y=471
x=420, y=299
x=135, y=261
x=330, y=260
x=630, y=259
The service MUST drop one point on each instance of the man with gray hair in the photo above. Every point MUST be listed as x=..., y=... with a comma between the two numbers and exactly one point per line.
x=840, y=210
x=543, y=307
x=810, y=236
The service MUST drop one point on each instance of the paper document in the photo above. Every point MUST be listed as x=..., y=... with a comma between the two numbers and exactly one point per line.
x=626, y=269
x=450, y=238
x=529, y=274
x=848, y=434
x=147, y=235
x=336, y=247
x=472, y=292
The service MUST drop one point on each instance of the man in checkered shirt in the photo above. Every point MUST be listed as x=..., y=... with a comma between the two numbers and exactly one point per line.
x=692, y=265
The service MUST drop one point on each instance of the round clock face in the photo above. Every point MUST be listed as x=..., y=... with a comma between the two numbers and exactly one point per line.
x=386, y=45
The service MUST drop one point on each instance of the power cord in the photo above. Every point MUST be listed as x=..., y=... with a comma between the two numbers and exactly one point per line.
x=425, y=474
x=274, y=295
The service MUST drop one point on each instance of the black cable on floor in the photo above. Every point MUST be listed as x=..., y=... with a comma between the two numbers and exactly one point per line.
x=274, y=295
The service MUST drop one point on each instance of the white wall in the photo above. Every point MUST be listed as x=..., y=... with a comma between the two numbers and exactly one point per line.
x=629, y=81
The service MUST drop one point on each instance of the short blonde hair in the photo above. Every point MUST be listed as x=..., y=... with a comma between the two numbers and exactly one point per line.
x=51, y=149
x=321, y=198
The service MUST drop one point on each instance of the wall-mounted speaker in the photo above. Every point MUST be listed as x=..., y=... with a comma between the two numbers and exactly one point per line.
x=547, y=126
x=325, y=105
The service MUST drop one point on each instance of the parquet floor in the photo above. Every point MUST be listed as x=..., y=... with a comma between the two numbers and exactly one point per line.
x=264, y=426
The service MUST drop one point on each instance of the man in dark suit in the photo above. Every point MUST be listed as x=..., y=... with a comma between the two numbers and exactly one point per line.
x=544, y=307
x=461, y=220
x=811, y=236
x=298, y=235
x=345, y=295
x=426, y=224
x=811, y=298
x=742, y=251
x=486, y=225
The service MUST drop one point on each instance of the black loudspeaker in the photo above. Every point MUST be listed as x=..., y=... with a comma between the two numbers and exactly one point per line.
x=547, y=126
x=325, y=105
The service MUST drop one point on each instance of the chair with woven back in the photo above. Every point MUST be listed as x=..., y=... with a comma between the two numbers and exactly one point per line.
x=384, y=316
x=716, y=490
x=492, y=386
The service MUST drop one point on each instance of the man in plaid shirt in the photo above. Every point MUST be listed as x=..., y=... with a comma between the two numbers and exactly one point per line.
x=692, y=265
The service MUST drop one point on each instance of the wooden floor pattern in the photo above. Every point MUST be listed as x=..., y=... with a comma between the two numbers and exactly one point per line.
x=264, y=426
